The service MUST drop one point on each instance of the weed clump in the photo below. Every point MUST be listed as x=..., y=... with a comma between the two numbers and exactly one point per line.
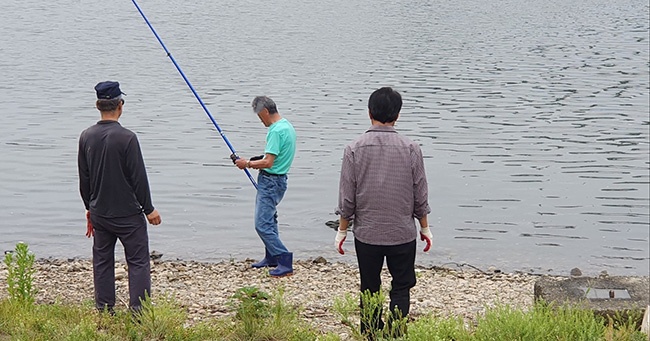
x=20, y=275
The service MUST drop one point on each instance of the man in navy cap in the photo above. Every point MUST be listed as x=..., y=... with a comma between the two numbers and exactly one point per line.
x=115, y=190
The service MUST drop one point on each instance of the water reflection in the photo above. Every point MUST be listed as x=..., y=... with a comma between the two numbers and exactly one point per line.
x=533, y=119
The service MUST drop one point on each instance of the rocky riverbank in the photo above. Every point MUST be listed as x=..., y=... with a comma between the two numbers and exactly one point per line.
x=205, y=289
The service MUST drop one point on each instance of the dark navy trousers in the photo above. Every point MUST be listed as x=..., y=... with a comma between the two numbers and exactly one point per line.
x=132, y=233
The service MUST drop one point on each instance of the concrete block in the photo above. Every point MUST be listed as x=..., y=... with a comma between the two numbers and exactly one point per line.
x=607, y=296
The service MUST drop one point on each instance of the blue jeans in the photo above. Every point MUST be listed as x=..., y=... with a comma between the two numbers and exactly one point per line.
x=270, y=190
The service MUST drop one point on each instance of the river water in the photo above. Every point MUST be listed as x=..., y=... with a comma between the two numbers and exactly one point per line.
x=533, y=117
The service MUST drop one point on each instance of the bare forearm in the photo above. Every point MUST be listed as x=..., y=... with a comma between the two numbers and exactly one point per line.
x=424, y=222
x=343, y=224
x=260, y=164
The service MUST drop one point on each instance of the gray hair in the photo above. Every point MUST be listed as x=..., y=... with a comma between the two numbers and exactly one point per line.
x=263, y=102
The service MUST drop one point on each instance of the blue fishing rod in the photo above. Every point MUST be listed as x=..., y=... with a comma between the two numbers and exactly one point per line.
x=214, y=122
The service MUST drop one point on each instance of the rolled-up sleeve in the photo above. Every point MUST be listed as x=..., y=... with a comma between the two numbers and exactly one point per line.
x=347, y=186
x=420, y=186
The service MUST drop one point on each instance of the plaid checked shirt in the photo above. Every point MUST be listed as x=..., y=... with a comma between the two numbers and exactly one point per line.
x=383, y=187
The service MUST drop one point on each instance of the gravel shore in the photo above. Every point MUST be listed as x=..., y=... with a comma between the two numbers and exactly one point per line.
x=205, y=289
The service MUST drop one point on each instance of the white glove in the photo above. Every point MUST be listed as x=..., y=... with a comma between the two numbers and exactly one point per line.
x=425, y=235
x=338, y=241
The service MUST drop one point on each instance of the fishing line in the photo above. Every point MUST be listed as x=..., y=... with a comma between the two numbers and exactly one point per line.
x=214, y=122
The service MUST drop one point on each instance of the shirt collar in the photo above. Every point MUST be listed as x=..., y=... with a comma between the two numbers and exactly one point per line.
x=107, y=122
x=389, y=129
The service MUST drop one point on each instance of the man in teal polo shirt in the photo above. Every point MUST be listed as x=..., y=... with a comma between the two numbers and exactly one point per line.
x=272, y=184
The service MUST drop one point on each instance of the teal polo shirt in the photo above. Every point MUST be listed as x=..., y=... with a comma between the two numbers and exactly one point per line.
x=281, y=142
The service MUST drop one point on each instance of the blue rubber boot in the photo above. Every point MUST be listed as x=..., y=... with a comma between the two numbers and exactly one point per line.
x=285, y=265
x=268, y=260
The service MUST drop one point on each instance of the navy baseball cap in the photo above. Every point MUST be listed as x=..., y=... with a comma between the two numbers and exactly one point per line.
x=108, y=90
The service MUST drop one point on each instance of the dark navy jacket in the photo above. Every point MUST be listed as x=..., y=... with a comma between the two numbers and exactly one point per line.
x=112, y=176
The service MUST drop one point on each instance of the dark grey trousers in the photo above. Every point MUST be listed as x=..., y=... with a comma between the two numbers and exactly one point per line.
x=132, y=233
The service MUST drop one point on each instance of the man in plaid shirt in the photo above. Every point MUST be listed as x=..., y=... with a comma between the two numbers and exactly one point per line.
x=383, y=187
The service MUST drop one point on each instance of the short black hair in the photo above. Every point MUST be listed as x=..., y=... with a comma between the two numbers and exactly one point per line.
x=109, y=104
x=384, y=105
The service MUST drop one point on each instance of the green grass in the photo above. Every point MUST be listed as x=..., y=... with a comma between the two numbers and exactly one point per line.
x=162, y=320
x=259, y=316
x=542, y=322
x=268, y=317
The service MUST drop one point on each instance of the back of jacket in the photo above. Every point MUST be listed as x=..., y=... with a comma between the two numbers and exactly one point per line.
x=112, y=176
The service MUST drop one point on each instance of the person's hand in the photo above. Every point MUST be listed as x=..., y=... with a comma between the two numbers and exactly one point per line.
x=338, y=241
x=241, y=163
x=425, y=235
x=89, y=226
x=154, y=217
